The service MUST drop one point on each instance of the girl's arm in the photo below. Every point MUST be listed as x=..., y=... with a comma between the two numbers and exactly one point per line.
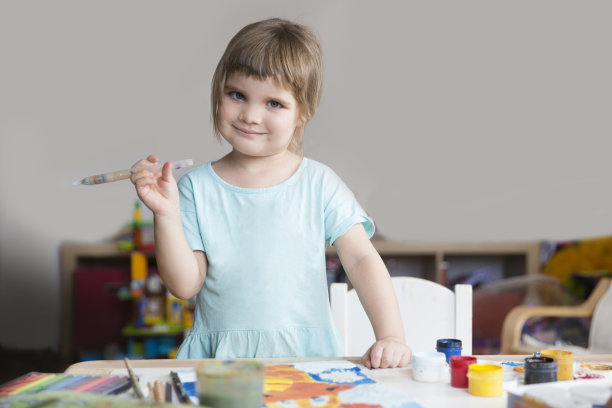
x=182, y=270
x=370, y=278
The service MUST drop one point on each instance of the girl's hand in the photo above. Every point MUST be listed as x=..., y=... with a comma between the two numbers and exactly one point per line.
x=156, y=189
x=387, y=353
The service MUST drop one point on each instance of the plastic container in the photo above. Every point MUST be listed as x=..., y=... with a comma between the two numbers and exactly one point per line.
x=485, y=380
x=450, y=347
x=459, y=368
x=565, y=363
x=540, y=370
x=429, y=366
x=230, y=383
x=554, y=397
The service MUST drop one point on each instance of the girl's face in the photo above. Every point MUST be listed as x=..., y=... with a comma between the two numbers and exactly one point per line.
x=258, y=118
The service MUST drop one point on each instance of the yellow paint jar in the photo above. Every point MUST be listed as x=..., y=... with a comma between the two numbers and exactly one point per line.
x=485, y=380
x=565, y=362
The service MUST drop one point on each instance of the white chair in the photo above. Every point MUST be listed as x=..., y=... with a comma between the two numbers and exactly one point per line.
x=429, y=312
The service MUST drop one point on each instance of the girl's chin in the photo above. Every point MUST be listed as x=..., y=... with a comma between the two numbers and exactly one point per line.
x=250, y=152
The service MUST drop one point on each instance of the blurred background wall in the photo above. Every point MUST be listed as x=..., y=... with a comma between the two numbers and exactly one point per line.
x=453, y=121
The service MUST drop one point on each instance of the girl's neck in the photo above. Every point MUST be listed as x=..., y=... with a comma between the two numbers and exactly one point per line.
x=256, y=172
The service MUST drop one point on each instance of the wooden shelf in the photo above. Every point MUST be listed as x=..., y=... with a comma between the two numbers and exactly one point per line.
x=434, y=253
x=411, y=258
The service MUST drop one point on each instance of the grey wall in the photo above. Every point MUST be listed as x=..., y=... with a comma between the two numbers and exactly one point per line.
x=451, y=120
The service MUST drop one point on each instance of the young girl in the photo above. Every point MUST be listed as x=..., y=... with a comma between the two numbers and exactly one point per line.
x=247, y=233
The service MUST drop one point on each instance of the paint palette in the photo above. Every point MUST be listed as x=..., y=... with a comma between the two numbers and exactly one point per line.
x=513, y=370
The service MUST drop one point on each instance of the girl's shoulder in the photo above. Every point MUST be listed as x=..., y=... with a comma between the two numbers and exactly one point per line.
x=319, y=170
x=197, y=173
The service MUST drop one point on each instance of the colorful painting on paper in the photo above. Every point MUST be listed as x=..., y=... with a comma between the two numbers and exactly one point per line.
x=328, y=384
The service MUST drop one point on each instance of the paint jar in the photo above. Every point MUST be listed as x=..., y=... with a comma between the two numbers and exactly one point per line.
x=429, y=366
x=565, y=363
x=450, y=347
x=459, y=368
x=540, y=370
x=230, y=383
x=485, y=380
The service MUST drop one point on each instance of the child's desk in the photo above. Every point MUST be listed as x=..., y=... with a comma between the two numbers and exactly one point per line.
x=439, y=394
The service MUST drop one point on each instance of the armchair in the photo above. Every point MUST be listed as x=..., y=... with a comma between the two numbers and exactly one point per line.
x=598, y=306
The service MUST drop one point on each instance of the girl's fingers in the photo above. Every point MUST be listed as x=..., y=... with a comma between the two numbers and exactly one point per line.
x=140, y=175
x=365, y=360
x=151, y=160
x=376, y=354
x=167, y=172
x=145, y=168
x=398, y=359
x=405, y=360
x=387, y=359
x=390, y=359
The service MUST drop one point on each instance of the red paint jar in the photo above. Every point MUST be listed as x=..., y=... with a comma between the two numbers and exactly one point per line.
x=459, y=368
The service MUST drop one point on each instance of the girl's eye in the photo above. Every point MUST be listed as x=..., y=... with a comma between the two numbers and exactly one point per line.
x=236, y=95
x=275, y=104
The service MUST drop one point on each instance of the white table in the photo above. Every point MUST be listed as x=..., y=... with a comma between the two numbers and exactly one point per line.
x=432, y=395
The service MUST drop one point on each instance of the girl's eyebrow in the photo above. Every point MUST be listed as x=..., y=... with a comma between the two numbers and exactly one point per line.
x=231, y=87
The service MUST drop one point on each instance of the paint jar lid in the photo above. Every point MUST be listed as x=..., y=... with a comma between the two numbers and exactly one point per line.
x=429, y=358
x=462, y=361
x=562, y=356
x=228, y=368
x=448, y=343
x=540, y=364
x=485, y=372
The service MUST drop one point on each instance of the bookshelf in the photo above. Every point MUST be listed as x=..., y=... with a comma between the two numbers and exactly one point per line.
x=420, y=259
x=80, y=256
x=424, y=259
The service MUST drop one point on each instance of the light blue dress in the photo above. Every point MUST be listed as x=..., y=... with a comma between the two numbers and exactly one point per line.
x=265, y=292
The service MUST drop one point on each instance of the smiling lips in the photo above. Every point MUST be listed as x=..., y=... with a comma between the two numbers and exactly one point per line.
x=248, y=132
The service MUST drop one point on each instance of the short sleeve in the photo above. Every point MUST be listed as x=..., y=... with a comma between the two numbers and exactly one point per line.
x=189, y=214
x=342, y=210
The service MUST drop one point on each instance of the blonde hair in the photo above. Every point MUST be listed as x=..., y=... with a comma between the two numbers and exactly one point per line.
x=275, y=48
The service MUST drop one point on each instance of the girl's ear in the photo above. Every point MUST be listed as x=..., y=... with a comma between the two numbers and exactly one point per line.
x=301, y=121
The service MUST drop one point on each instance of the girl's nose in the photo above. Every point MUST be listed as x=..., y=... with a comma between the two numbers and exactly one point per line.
x=250, y=114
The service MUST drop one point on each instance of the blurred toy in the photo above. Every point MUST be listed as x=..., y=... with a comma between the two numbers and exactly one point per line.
x=154, y=299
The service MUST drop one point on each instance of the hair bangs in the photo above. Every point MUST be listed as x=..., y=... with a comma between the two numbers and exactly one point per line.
x=269, y=59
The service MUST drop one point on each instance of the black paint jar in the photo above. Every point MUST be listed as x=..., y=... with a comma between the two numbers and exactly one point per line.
x=540, y=370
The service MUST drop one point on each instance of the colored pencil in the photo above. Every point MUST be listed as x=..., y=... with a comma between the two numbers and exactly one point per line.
x=178, y=387
x=31, y=384
x=119, y=387
x=20, y=382
x=52, y=379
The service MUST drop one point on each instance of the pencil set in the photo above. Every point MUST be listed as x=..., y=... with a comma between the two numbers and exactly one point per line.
x=70, y=399
x=36, y=382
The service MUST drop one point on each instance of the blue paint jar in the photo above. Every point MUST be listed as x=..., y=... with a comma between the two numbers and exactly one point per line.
x=450, y=347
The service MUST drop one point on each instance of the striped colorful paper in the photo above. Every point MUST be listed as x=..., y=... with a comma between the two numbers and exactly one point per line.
x=35, y=382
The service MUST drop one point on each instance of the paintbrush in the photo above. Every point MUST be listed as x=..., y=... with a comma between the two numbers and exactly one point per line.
x=133, y=379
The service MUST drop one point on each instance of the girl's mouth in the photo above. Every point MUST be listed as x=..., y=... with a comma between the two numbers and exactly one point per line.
x=248, y=132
